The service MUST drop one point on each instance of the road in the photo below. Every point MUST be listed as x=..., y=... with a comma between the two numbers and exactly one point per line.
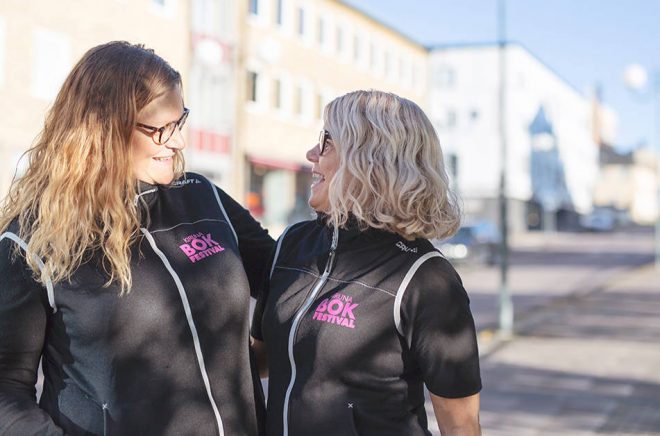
x=584, y=357
x=544, y=267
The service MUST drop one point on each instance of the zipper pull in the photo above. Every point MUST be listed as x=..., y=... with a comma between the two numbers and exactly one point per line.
x=333, y=247
x=329, y=264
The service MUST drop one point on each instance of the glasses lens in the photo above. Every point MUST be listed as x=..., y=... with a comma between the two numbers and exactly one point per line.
x=166, y=132
x=183, y=119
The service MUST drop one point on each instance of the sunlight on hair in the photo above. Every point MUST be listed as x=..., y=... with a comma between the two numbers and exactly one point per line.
x=391, y=173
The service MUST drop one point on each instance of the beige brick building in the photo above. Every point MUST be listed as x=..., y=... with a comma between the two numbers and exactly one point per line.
x=257, y=74
x=41, y=40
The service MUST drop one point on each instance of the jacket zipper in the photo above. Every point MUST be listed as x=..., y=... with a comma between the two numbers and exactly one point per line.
x=105, y=419
x=296, y=321
x=191, y=325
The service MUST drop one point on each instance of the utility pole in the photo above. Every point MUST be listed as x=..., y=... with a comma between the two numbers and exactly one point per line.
x=505, y=302
x=636, y=77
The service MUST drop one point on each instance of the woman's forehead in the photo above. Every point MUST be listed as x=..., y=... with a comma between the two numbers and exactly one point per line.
x=163, y=107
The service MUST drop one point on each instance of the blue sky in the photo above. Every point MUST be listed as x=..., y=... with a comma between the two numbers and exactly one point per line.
x=584, y=41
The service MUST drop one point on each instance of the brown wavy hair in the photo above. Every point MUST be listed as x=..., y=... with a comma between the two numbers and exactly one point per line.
x=77, y=195
x=391, y=171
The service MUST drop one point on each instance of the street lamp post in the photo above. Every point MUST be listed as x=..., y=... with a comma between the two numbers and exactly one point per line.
x=505, y=300
x=636, y=78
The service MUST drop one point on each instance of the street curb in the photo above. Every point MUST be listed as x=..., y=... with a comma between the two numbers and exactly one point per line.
x=489, y=339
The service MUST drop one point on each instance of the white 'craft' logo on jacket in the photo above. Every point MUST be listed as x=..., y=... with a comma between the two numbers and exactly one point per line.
x=405, y=248
x=199, y=246
x=338, y=310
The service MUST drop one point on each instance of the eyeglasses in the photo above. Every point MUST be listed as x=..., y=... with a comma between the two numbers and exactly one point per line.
x=161, y=135
x=324, y=137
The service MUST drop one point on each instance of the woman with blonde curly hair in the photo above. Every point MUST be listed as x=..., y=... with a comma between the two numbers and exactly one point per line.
x=123, y=275
x=361, y=311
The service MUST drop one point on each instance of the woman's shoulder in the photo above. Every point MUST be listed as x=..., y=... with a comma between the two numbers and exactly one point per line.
x=12, y=236
x=303, y=237
x=13, y=247
x=192, y=179
x=434, y=272
x=13, y=227
x=303, y=230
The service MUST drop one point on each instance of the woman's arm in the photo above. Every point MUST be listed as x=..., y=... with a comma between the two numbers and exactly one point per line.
x=438, y=325
x=259, y=349
x=254, y=242
x=457, y=416
x=23, y=314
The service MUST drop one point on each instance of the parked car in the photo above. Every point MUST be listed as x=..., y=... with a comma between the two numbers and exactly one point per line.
x=473, y=243
x=599, y=220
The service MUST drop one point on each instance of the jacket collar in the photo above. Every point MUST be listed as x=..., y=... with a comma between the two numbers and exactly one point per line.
x=351, y=234
x=145, y=194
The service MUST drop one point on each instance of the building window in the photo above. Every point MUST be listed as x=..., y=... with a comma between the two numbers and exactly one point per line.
x=453, y=166
x=372, y=56
x=318, y=107
x=340, y=39
x=164, y=7
x=51, y=62
x=254, y=7
x=388, y=63
x=203, y=15
x=451, y=118
x=279, y=12
x=356, y=48
x=446, y=77
x=298, y=101
x=2, y=51
x=277, y=94
x=301, y=21
x=474, y=115
x=320, y=36
x=252, y=79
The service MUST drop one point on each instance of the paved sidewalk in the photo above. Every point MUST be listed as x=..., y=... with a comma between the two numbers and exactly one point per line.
x=588, y=364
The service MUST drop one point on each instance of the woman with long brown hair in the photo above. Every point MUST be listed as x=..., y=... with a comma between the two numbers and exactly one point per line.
x=124, y=275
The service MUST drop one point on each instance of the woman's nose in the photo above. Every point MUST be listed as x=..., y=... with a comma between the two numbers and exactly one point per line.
x=176, y=140
x=312, y=154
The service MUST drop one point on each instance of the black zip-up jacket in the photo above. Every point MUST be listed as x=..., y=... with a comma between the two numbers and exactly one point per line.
x=169, y=358
x=355, y=323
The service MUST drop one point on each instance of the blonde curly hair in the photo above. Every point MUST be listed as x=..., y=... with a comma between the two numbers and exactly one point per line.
x=391, y=173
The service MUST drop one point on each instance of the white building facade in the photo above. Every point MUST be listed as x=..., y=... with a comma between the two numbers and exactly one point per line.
x=551, y=156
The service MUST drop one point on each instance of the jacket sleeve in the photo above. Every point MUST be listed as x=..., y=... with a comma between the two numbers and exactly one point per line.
x=23, y=315
x=254, y=242
x=262, y=297
x=439, y=328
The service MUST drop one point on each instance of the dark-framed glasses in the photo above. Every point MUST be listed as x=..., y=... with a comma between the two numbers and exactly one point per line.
x=160, y=135
x=324, y=137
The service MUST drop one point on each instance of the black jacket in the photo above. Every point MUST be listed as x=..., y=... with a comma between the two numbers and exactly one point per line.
x=354, y=332
x=170, y=357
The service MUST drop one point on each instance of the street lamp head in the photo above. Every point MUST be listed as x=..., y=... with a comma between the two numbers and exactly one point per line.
x=635, y=77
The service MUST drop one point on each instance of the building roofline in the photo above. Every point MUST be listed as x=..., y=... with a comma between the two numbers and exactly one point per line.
x=383, y=24
x=512, y=43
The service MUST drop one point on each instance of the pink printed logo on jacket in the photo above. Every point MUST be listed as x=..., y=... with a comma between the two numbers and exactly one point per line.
x=199, y=246
x=338, y=310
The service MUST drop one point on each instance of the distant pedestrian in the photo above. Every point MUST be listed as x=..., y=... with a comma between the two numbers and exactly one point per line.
x=122, y=274
x=361, y=311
